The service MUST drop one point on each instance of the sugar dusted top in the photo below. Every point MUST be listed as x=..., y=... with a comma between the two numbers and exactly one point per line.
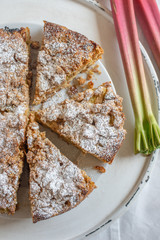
x=56, y=184
x=93, y=121
x=63, y=54
x=13, y=68
x=12, y=131
x=12, y=137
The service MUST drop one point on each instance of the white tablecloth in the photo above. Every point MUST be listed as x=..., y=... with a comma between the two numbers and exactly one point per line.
x=142, y=220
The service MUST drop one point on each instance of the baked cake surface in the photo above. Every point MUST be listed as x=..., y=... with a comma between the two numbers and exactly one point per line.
x=64, y=53
x=12, y=138
x=14, y=107
x=56, y=184
x=14, y=57
x=93, y=121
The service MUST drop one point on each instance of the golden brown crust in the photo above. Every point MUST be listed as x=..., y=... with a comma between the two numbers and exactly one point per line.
x=56, y=184
x=64, y=53
x=100, y=169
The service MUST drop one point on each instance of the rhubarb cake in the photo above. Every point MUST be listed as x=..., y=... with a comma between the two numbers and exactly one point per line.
x=93, y=121
x=14, y=57
x=56, y=184
x=12, y=139
x=64, y=53
x=14, y=107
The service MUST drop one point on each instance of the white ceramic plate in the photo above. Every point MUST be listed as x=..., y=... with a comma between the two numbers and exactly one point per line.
x=127, y=175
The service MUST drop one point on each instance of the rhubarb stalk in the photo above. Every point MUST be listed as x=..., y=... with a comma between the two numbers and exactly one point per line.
x=147, y=131
x=148, y=16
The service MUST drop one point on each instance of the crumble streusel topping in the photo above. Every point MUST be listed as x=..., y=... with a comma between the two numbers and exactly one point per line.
x=56, y=184
x=12, y=137
x=9, y=177
x=63, y=54
x=13, y=69
x=93, y=121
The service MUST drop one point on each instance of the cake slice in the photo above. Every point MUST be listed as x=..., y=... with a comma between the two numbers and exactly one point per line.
x=93, y=121
x=14, y=57
x=12, y=139
x=14, y=106
x=56, y=184
x=64, y=53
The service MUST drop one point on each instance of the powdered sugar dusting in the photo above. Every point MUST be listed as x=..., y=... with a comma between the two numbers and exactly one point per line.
x=63, y=54
x=93, y=121
x=12, y=132
x=12, y=137
x=9, y=176
x=56, y=184
x=13, y=70
x=57, y=98
x=50, y=75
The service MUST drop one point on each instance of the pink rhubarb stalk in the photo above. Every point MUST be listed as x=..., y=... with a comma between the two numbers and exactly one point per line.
x=147, y=131
x=148, y=16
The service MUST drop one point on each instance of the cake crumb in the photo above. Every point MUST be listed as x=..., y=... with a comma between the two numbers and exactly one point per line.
x=89, y=75
x=80, y=80
x=95, y=69
x=90, y=84
x=72, y=91
x=35, y=45
x=100, y=169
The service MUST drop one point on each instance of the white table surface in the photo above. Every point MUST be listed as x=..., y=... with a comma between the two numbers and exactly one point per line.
x=142, y=220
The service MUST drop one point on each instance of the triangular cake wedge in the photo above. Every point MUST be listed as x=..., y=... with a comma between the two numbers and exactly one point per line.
x=12, y=139
x=64, y=53
x=14, y=107
x=93, y=121
x=56, y=184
